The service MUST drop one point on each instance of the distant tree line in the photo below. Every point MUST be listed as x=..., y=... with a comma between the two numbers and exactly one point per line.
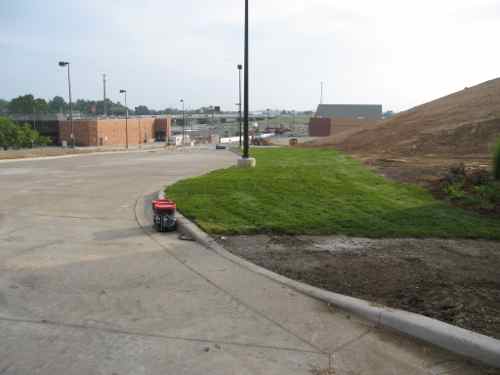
x=13, y=135
x=29, y=105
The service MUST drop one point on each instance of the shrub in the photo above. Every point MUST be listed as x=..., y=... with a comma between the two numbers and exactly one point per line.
x=496, y=161
x=455, y=190
x=17, y=136
x=456, y=174
x=8, y=133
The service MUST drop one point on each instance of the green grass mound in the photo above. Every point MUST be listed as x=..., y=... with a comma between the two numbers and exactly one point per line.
x=319, y=191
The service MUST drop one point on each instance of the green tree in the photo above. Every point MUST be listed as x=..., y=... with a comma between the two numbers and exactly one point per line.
x=26, y=136
x=17, y=136
x=4, y=106
x=100, y=106
x=22, y=104
x=40, y=106
x=142, y=110
x=8, y=133
x=57, y=105
x=118, y=109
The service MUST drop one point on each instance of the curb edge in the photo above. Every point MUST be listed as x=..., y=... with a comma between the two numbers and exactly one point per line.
x=458, y=340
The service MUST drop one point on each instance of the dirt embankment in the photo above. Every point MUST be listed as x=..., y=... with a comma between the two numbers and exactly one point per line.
x=461, y=124
x=456, y=281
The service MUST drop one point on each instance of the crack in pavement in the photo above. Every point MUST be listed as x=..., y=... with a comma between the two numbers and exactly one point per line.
x=352, y=341
x=154, y=335
x=249, y=307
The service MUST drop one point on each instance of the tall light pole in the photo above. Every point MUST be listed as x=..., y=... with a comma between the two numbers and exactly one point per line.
x=183, y=121
x=72, y=136
x=126, y=117
x=240, y=67
x=246, y=106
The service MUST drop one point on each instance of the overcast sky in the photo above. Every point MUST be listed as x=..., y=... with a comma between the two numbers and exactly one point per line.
x=395, y=53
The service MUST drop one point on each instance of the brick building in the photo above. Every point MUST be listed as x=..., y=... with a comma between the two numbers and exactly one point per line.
x=320, y=127
x=341, y=117
x=102, y=132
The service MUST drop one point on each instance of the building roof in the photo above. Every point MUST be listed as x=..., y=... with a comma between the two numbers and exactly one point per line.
x=354, y=111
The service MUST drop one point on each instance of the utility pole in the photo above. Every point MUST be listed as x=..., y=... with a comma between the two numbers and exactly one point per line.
x=321, y=97
x=104, y=96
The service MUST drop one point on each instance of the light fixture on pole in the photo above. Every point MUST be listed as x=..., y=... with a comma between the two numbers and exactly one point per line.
x=122, y=91
x=62, y=64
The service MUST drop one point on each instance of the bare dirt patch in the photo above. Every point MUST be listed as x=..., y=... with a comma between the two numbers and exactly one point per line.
x=424, y=170
x=456, y=281
x=40, y=152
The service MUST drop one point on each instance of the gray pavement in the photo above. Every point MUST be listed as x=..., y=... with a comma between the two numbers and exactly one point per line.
x=86, y=287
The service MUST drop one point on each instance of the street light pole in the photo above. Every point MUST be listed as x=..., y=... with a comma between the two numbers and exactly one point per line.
x=183, y=121
x=63, y=64
x=240, y=67
x=126, y=117
x=246, y=106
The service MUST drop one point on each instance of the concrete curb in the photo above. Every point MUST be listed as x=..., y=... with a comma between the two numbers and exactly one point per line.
x=470, y=344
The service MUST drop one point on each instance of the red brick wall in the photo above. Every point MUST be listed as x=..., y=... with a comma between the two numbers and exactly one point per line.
x=320, y=127
x=85, y=132
x=104, y=132
x=164, y=125
x=324, y=127
x=115, y=131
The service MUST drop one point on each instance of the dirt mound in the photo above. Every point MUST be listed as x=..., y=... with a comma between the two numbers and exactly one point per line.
x=455, y=281
x=464, y=123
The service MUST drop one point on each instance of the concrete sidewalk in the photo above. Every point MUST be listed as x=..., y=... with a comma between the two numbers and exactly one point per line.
x=352, y=345
x=86, y=287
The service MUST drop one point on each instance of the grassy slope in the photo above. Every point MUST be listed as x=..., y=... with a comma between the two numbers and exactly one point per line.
x=319, y=191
